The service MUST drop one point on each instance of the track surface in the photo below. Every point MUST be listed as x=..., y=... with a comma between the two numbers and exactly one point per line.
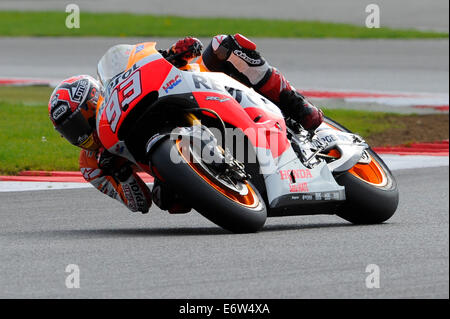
x=164, y=256
x=426, y=14
x=389, y=65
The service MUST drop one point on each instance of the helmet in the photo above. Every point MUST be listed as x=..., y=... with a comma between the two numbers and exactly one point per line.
x=72, y=109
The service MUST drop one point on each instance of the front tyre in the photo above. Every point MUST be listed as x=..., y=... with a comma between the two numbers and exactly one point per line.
x=238, y=212
x=371, y=189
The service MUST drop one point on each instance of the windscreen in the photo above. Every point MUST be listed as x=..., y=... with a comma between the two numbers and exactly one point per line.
x=113, y=62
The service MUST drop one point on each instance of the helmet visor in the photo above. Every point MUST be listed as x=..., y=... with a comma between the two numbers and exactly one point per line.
x=76, y=129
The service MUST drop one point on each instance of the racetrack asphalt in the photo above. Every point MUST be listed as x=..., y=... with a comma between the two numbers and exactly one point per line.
x=386, y=65
x=126, y=255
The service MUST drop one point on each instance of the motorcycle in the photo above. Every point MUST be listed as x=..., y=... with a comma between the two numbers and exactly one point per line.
x=181, y=125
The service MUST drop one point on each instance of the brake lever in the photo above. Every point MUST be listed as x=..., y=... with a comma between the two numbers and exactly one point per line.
x=192, y=49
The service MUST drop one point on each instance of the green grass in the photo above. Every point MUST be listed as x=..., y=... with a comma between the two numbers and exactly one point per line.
x=364, y=123
x=29, y=142
x=124, y=25
x=27, y=95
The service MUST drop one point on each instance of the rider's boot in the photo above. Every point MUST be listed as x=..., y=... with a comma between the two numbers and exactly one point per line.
x=165, y=198
x=237, y=56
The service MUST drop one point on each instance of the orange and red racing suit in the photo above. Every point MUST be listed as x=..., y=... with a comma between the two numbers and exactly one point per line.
x=132, y=192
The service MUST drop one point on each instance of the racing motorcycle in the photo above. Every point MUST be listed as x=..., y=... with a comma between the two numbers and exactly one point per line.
x=181, y=125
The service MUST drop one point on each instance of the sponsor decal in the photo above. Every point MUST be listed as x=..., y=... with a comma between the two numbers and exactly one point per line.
x=137, y=194
x=217, y=98
x=327, y=196
x=54, y=100
x=293, y=175
x=118, y=149
x=59, y=111
x=112, y=193
x=246, y=58
x=328, y=138
x=331, y=196
x=297, y=173
x=298, y=188
x=82, y=139
x=88, y=142
x=77, y=93
x=323, y=196
x=90, y=173
x=130, y=202
x=139, y=48
x=238, y=95
x=205, y=83
x=235, y=93
x=119, y=78
x=172, y=83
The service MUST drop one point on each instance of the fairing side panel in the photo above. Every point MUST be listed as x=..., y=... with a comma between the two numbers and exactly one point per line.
x=292, y=183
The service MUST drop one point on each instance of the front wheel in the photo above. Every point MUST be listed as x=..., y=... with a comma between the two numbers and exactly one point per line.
x=234, y=205
x=370, y=188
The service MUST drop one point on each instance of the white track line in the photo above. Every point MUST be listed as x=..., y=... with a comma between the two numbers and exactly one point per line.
x=395, y=162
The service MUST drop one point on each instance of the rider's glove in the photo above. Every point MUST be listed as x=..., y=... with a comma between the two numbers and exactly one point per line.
x=113, y=165
x=184, y=50
x=105, y=161
x=295, y=106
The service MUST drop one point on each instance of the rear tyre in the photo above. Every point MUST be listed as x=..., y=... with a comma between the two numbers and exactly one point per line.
x=206, y=193
x=371, y=189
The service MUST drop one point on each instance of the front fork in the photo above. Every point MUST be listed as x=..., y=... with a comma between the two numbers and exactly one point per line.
x=204, y=143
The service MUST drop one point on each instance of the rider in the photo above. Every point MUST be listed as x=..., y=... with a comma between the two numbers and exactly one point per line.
x=73, y=104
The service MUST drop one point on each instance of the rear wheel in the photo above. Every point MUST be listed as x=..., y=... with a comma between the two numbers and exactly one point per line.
x=370, y=188
x=234, y=205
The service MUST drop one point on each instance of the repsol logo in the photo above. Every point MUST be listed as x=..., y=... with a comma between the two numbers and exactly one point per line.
x=120, y=77
x=246, y=58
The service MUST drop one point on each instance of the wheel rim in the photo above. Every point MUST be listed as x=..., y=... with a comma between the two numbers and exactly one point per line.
x=250, y=200
x=371, y=173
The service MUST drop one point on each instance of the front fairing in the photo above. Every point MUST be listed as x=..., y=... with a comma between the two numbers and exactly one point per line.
x=127, y=75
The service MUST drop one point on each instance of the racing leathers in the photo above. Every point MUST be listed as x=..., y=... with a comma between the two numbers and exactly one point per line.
x=117, y=178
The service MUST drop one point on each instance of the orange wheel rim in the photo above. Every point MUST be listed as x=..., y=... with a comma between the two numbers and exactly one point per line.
x=249, y=200
x=371, y=173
